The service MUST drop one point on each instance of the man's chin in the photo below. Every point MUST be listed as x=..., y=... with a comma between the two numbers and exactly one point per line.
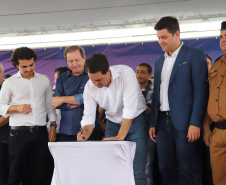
x=29, y=74
x=163, y=49
x=140, y=80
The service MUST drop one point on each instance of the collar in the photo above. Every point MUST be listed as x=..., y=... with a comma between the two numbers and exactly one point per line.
x=18, y=75
x=148, y=86
x=114, y=73
x=69, y=73
x=175, y=53
x=223, y=58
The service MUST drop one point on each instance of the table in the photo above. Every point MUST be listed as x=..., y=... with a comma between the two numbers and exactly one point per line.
x=93, y=162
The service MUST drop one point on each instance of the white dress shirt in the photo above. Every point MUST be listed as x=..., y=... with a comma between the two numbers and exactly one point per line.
x=37, y=92
x=165, y=77
x=122, y=99
x=58, y=118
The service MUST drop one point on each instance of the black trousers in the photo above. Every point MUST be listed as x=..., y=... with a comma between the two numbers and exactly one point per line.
x=4, y=163
x=30, y=150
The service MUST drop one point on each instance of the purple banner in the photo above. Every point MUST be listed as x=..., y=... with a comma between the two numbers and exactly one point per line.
x=128, y=54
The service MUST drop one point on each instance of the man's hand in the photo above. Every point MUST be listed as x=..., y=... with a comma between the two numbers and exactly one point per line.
x=85, y=134
x=4, y=121
x=193, y=133
x=116, y=138
x=73, y=106
x=152, y=134
x=52, y=134
x=207, y=136
x=24, y=108
x=149, y=110
x=56, y=102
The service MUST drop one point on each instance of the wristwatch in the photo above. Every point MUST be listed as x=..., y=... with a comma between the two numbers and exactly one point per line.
x=53, y=124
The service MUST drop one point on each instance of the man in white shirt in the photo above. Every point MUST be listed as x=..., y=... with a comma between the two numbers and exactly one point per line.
x=116, y=90
x=26, y=96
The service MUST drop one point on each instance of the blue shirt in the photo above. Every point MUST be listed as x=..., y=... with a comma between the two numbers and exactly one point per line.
x=4, y=130
x=70, y=85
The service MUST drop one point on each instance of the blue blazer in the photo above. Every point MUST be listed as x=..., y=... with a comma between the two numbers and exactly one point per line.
x=188, y=89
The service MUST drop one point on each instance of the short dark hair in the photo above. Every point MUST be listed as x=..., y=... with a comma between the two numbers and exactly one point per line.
x=23, y=53
x=169, y=23
x=7, y=76
x=74, y=48
x=209, y=57
x=60, y=70
x=97, y=62
x=146, y=65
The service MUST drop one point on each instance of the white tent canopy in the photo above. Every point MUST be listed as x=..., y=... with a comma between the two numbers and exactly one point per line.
x=32, y=17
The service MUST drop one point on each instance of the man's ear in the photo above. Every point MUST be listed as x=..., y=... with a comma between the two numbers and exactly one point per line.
x=108, y=71
x=177, y=33
x=149, y=75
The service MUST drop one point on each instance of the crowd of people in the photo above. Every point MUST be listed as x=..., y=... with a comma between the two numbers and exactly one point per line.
x=173, y=119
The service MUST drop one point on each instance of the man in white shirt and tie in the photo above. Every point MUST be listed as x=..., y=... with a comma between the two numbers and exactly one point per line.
x=116, y=90
x=26, y=96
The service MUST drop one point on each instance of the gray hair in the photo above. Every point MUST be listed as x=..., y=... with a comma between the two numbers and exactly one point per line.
x=2, y=68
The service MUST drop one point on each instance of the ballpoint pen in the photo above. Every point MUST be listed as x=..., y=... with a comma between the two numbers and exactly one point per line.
x=81, y=131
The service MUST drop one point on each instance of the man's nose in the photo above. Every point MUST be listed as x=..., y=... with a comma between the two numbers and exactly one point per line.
x=224, y=39
x=74, y=63
x=160, y=41
x=96, y=83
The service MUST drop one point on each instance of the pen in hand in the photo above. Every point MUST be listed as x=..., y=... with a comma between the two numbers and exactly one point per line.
x=81, y=132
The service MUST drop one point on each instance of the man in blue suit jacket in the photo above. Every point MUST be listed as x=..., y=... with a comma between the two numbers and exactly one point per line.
x=179, y=102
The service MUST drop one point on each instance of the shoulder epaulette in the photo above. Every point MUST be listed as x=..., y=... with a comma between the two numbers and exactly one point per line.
x=218, y=58
x=213, y=71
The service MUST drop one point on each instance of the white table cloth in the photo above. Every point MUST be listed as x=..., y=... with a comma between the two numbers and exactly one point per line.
x=93, y=163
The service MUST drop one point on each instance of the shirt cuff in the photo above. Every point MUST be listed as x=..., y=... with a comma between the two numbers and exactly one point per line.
x=129, y=114
x=4, y=110
x=52, y=117
x=87, y=122
x=79, y=99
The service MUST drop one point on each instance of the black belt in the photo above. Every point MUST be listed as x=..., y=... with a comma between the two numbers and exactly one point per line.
x=29, y=129
x=220, y=125
x=165, y=112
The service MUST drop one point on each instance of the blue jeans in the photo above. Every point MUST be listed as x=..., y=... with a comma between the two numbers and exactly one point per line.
x=138, y=133
x=4, y=163
x=180, y=162
x=150, y=162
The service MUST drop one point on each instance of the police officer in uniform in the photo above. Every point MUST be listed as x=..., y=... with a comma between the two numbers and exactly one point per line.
x=217, y=113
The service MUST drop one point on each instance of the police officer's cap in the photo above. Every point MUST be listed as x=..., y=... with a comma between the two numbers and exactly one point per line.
x=223, y=25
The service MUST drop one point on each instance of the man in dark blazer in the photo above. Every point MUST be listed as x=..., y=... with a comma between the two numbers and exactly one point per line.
x=179, y=102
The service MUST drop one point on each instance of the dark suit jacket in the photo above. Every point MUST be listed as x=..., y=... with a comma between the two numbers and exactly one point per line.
x=188, y=89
